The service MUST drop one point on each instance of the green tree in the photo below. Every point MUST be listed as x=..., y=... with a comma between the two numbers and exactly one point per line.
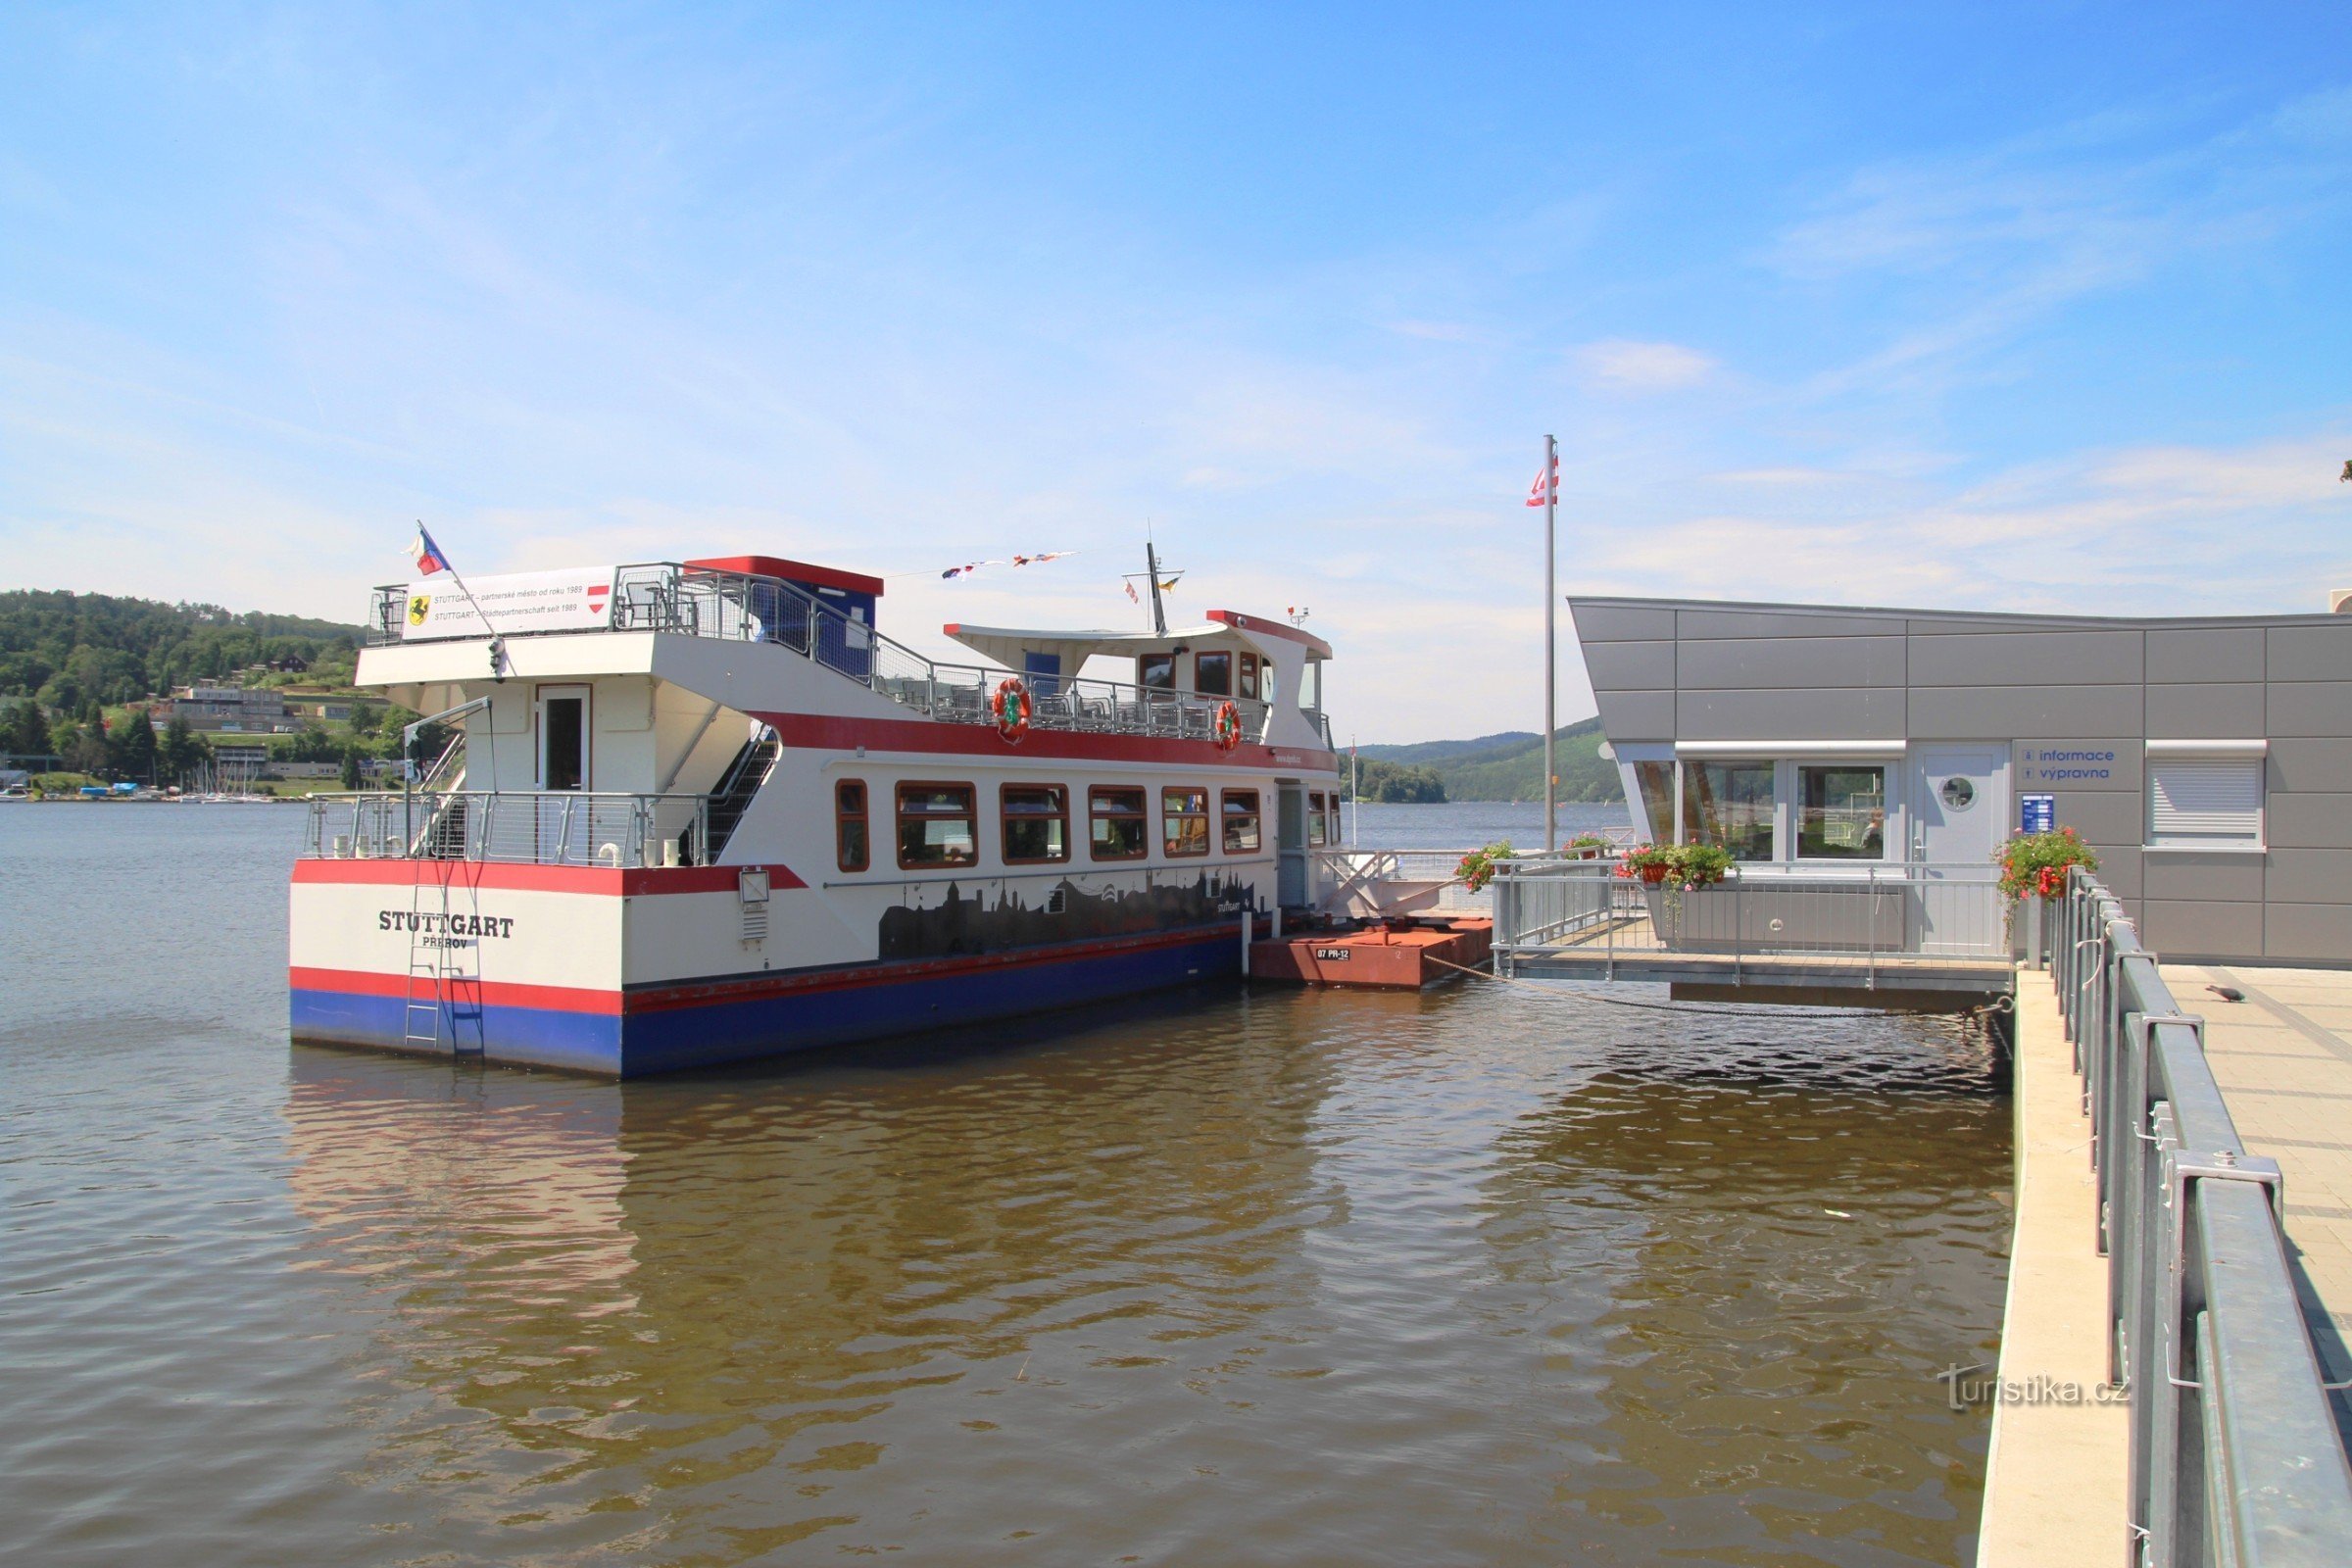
x=350, y=767
x=314, y=745
x=183, y=751
x=86, y=752
x=130, y=746
x=28, y=730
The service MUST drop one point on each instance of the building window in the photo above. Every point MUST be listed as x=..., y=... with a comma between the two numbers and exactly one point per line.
x=1156, y=670
x=936, y=826
x=1241, y=822
x=1213, y=675
x=849, y=842
x=1037, y=823
x=1728, y=804
x=1119, y=826
x=1841, y=812
x=1184, y=820
x=2205, y=802
x=1248, y=676
x=1655, y=781
x=1314, y=820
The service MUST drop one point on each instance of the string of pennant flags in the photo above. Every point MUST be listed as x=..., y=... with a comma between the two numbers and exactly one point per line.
x=1038, y=560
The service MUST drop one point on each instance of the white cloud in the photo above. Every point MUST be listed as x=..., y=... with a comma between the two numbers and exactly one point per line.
x=1627, y=366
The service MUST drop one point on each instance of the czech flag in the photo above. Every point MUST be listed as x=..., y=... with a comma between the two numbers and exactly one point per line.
x=429, y=558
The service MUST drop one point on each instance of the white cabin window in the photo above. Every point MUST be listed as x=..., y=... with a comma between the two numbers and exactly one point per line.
x=2205, y=802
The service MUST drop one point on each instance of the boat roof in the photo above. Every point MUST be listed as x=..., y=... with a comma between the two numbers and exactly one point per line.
x=1008, y=644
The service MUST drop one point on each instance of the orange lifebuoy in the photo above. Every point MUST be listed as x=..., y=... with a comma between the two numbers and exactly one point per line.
x=1226, y=728
x=1010, y=707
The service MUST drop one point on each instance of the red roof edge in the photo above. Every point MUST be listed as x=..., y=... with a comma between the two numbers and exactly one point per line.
x=1268, y=627
x=794, y=571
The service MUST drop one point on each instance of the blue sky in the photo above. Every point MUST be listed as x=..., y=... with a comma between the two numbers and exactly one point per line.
x=2015, y=308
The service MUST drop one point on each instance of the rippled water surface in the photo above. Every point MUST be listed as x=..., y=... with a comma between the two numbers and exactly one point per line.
x=1490, y=1274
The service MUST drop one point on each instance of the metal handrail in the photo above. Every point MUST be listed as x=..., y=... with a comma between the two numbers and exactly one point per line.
x=2235, y=1457
x=745, y=606
x=524, y=827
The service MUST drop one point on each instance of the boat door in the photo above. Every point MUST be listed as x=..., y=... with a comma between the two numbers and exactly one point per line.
x=1290, y=845
x=559, y=734
x=1959, y=799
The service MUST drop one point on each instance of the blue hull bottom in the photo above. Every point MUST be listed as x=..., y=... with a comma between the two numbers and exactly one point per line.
x=675, y=1034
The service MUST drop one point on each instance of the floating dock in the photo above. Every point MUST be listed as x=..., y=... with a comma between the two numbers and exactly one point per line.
x=1380, y=957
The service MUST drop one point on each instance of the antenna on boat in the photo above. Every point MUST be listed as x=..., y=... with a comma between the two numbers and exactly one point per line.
x=1152, y=572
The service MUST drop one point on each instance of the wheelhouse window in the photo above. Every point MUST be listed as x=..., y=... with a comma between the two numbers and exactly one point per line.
x=1156, y=670
x=936, y=826
x=1184, y=820
x=1037, y=823
x=1249, y=686
x=1314, y=819
x=852, y=848
x=1241, y=821
x=1213, y=675
x=1728, y=804
x=1118, y=828
x=1841, y=812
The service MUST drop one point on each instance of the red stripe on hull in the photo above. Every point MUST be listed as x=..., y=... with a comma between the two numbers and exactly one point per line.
x=608, y=881
x=490, y=992
x=822, y=732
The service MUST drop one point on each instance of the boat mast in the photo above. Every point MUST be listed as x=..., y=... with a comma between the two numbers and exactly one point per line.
x=1160, y=616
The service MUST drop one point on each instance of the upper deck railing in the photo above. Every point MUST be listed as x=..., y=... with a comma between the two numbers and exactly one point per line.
x=536, y=827
x=744, y=607
x=2236, y=1457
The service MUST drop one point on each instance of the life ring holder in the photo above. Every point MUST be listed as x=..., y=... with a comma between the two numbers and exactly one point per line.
x=1010, y=708
x=1226, y=727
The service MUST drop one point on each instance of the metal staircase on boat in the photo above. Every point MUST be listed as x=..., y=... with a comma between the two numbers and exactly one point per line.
x=445, y=980
x=736, y=788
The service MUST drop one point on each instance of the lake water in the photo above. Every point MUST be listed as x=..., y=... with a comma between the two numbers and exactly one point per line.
x=1492, y=1274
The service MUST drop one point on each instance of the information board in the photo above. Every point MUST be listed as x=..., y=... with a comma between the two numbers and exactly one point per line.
x=579, y=600
x=2037, y=814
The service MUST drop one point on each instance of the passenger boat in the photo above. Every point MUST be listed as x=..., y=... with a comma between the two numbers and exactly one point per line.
x=692, y=813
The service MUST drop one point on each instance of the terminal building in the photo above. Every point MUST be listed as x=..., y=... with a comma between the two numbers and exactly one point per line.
x=2207, y=761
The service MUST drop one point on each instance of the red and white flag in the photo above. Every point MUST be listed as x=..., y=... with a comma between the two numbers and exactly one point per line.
x=1547, y=483
x=1133, y=594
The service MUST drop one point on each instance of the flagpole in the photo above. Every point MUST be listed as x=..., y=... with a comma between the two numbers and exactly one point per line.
x=1551, y=661
x=497, y=643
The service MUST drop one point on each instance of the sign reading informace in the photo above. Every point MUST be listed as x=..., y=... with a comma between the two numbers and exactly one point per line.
x=577, y=600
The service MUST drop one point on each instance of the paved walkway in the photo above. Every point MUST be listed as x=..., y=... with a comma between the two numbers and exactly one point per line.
x=2283, y=1059
x=2054, y=1481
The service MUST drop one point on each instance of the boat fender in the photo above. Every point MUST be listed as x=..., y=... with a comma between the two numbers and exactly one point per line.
x=1011, y=706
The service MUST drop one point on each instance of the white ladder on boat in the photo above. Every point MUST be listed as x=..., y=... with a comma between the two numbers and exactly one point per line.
x=438, y=972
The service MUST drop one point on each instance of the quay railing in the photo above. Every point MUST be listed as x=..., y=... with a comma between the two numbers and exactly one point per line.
x=2236, y=1457
x=551, y=827
x=744, y=607
x=1867, y=912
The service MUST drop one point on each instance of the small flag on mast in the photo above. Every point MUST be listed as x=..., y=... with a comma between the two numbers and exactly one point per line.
x=1547, y=483
x=427, y=554
x=1132, y=595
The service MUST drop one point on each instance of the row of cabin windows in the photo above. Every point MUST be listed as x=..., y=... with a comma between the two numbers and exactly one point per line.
x=1322, y=820
x=1214, y=674
x=939, y=824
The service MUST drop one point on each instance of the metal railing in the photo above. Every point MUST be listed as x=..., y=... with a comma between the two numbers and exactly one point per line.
x=552, y=827
x=1867, y=912
x=2235, y=1457
x=1375, y=882
x=742, y=606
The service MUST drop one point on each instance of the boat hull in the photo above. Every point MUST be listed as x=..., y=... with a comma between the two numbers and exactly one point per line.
x=664, y=1028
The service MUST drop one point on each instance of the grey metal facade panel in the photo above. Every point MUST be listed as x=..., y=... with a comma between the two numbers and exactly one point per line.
x=2310, y=708
x=2311, y=763
x=2309, y=876
x=2319, y=933
x=2065, y=764
x=1790, y=663
x=2308, y=821
x=1868, y=713
x=2186, y=875
x=1691, y=624
x=2103, y=817
x=2121, y=867
x=2184, y=655
x=1621, y=623
x=1636, y=716
x=2311, y=653
x=1630, y=667
x=1997, y=712
x=1919, y=623
x=2216, y=711
x=2202, y=929
x=2027, y=659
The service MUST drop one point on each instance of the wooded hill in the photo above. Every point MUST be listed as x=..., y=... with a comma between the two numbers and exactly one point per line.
x=1508, y=767
x=71, y=650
